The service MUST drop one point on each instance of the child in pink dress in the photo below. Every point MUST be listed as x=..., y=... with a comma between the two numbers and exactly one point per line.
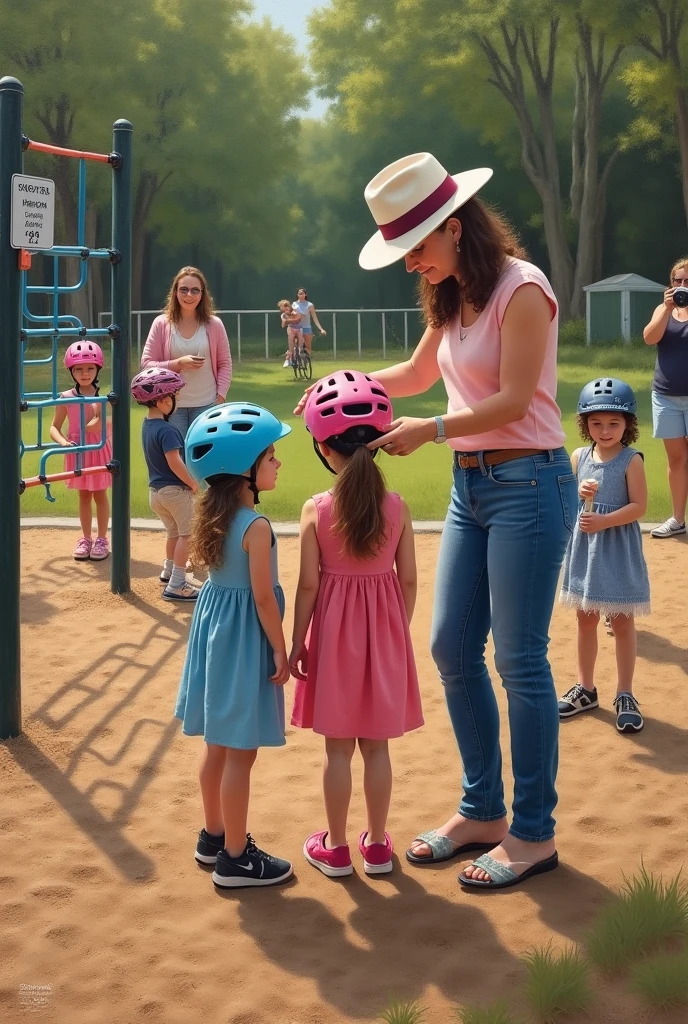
x=351, y=649
x=84, y=360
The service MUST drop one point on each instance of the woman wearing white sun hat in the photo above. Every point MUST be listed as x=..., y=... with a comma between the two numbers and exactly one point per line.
x=492, y=324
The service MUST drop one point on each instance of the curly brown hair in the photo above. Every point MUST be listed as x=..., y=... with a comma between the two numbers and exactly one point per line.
x=630, y=434
x=486, y=238
x=204, y=309
x=358, y=505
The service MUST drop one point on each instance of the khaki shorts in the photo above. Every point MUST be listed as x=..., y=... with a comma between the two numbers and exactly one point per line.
x=174, y=507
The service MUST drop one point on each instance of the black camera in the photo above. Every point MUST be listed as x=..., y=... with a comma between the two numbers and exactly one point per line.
x=680, y=297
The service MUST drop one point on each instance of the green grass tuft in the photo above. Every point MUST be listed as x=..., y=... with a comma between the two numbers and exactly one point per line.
x=403, y=1013
x=556, y=983
x=495, y=1013
x=646, y=912
x=663, y=980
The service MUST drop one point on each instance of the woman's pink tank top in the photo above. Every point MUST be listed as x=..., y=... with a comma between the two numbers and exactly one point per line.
x=469, y=358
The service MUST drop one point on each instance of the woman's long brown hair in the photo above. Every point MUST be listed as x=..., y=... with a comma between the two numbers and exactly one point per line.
x=213, y=518
x=204, y=309
x=359, y=497
x=486, y=238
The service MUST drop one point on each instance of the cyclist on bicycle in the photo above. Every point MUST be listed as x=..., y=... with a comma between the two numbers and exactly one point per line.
x=290, y=319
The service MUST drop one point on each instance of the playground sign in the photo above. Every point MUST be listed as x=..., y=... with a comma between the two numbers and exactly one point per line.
x=33, y=212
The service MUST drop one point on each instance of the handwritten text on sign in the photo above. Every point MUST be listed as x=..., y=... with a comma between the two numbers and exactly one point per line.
x=33, y=212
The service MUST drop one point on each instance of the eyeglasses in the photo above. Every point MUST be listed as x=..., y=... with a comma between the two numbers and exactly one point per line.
x=189, y=291
x=679, y=280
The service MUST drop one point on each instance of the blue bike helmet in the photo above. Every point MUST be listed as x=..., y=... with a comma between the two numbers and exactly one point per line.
x=228, y=439
x=607, y=394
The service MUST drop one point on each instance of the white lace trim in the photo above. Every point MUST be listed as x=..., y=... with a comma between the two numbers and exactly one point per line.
x=584, y=604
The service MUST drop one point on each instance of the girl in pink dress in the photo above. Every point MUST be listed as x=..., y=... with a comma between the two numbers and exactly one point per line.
x=84, y=360
x=351, y=649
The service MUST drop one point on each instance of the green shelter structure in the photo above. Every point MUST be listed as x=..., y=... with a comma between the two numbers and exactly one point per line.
x=620, y=307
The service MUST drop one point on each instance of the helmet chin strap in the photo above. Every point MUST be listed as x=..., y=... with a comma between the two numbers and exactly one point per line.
x=167, y=415
x=252, y=483
x=322, y=457
x=94, y=382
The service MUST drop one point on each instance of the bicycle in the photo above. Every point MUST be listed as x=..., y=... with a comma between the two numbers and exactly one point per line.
x=301, y=361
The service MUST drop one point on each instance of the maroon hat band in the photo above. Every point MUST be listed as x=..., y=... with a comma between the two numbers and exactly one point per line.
x=417, y=214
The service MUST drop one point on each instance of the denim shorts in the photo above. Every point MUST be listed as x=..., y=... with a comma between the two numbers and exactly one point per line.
x=669, y=416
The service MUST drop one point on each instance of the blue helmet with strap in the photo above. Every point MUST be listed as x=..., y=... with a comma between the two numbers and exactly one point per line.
x=607, y=394
x=228, y=439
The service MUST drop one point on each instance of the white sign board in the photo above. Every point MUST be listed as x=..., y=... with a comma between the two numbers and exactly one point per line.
x=33, y=212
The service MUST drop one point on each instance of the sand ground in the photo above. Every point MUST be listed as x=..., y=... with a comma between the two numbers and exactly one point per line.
x=103, y=907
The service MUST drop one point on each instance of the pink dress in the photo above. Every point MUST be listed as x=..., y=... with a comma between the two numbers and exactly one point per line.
x=100, y=457
x=362, y=678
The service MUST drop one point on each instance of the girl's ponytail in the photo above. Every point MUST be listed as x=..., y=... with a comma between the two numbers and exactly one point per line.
x=214, y=513
x=359, y=495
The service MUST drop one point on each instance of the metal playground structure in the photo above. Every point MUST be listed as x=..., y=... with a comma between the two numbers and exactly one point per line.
x=16, y=336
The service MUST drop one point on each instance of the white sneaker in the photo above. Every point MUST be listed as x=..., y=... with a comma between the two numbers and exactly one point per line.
x=286, y=364
x=671, y=528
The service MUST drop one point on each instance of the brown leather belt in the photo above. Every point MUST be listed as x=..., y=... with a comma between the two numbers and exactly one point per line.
x=464, y=461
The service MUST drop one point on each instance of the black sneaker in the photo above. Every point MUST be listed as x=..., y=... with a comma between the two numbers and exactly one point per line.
x=252, y=868
x=577, y=699
x=628, y=717
x=208, y=847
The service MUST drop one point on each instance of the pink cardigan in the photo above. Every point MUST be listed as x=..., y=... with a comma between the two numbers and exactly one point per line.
x=157, y=350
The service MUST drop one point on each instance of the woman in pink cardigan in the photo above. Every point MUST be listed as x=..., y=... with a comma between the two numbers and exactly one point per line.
x=188, y=339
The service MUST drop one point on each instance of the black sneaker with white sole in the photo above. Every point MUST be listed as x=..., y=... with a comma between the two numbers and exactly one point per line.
x=577, y=699
x=208, y=847
x=628, y=717
x=253, y=868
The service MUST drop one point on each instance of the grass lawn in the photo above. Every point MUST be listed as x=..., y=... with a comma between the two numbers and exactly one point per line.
x=424, y=479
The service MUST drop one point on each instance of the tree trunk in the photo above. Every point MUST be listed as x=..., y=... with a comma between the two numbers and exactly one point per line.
x=682, y=126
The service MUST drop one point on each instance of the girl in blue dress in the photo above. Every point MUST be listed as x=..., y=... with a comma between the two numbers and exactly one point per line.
x=231, y=691
x=604, y=570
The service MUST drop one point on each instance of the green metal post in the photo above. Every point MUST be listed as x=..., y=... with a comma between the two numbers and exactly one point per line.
x=121, y=318
x=11, y=99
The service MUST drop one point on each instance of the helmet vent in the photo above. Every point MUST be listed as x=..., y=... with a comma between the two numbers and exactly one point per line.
x=329, y=397
x=200, y=450
x=382, y=407
x=250, y=412
x=213, y=415
x=242, y=427
x=212, y=430
x=349, y=376
x=357, y=409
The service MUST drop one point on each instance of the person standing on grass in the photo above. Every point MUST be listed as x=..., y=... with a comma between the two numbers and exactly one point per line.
x=188, y=339
x=307, y=310
x=492, y=327
x=668, y=330
x=604, y=569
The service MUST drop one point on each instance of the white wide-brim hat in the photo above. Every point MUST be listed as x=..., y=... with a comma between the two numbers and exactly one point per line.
x=408, y=200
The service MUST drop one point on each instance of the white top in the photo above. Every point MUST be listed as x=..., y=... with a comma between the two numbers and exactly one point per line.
x=201, y=387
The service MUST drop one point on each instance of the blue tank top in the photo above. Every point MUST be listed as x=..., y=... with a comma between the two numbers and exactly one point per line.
x=671, y=368
x=303, y=308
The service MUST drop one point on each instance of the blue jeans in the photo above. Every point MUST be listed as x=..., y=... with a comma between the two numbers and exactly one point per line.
x=503, y=543
x=183, y=418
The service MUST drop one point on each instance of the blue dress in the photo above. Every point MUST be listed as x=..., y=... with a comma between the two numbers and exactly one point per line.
x=606, y=571
x=225, y=693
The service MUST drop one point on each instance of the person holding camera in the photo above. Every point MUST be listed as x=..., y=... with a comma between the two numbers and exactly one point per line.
x=668, y=330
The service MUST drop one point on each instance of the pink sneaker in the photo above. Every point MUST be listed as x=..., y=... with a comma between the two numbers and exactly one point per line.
x=100, y=550
x=82, y=552
x=377, y=857
x=333, y=863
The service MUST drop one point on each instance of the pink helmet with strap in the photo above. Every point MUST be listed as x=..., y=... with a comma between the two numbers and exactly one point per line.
x=346, y=399
x=154, y=383
x=81, y=353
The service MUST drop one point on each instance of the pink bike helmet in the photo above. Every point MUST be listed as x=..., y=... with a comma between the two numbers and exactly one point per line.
x=82, y=353
x=344, y=400
x=154, y=383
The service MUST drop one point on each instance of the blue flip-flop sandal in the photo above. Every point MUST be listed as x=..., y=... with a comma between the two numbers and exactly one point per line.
x=502, y=876
x=443, y=848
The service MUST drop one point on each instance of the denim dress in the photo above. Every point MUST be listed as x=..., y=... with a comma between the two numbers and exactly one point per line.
x=606, y=572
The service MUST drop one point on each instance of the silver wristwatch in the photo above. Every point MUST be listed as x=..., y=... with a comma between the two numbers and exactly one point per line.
x=441, y=436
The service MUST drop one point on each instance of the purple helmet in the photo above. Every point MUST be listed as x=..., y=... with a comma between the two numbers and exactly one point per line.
x=154, y=383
